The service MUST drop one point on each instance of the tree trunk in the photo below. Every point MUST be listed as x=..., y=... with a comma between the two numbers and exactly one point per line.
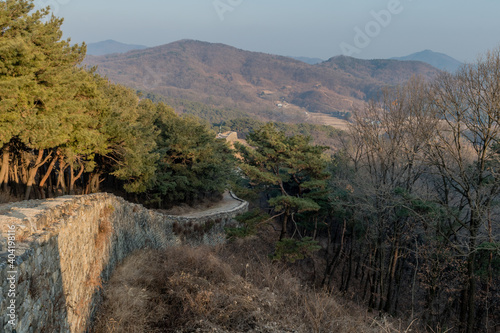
x=74, y=178
x=17, y=181
x=345, y=288
x=47, y=175
x=284, y=226
x=24, y=167
x=49, y=171
x=392, y=268
x=471, y=277
x=380, y=272
x=490, y=272
x=332, y=265
x=4, y=171
x=33, y=172
x=61, y=182
x=94, y=182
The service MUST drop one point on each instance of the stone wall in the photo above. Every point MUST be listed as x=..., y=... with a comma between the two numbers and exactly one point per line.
x=67, y=247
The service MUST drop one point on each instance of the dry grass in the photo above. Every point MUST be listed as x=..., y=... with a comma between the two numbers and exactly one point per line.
x=234, y=288
x=324, y=119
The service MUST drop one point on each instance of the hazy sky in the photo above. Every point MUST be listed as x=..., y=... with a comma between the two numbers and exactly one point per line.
x=314, y=28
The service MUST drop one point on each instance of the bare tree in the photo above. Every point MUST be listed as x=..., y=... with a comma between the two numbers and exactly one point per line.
x=387, y=145
x=419, y=199
x=465, y=159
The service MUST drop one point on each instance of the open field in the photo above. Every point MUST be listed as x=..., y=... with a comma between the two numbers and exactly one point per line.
x=324, y=119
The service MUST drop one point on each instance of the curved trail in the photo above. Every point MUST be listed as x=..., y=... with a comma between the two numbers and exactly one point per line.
x=228, y=203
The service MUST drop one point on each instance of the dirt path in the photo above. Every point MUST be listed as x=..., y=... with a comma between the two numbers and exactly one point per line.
x=226, y=204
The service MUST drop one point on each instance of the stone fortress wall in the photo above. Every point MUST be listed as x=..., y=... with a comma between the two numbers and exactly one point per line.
x=65, y=248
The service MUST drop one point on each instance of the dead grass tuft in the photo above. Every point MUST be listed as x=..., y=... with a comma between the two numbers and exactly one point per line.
x=232, y=288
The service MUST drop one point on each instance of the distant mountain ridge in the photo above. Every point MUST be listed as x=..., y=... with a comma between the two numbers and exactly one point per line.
x=308, y=60
x=439, y=60
x=264, y=85
x=111, y=46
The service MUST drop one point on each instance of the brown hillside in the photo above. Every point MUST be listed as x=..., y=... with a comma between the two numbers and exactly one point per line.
x=234, y=288
x=222, y=75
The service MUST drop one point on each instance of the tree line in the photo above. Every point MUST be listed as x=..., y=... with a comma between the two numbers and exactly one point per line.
x=408, y=207
x=66, y=130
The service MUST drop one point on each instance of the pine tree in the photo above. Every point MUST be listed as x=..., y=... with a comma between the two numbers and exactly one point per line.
x=37, y=87
x=292, y=171
x=193, y=163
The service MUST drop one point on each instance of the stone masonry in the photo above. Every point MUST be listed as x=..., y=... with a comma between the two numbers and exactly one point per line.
x=65, y=248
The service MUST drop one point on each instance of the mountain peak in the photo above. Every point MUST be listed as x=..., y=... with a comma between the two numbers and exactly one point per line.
x=436, y=59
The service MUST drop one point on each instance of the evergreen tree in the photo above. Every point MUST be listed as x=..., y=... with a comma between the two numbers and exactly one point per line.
x=193, y=163
x=37, y=87
x=292, y=171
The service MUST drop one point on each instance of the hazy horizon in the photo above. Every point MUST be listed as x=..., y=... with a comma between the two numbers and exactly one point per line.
x=366, y=29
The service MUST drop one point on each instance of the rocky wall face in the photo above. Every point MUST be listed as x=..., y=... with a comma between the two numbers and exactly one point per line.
x=56, y=253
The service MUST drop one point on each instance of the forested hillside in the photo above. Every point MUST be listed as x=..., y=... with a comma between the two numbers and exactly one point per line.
x=405, y=217
x=255, y=83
